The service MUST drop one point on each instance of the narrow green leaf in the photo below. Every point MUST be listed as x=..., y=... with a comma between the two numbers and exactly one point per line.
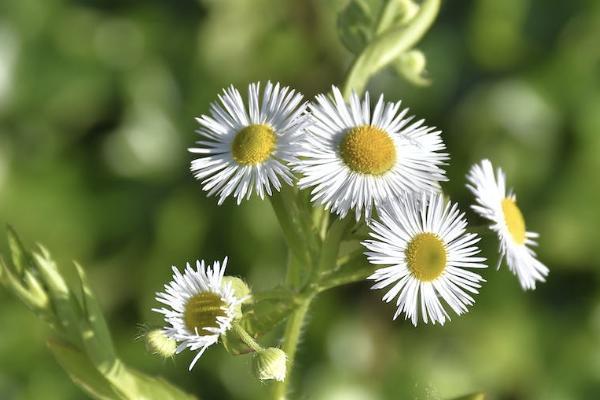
x=96, y=339
x=33, y=296
x=65, y=307
x=20, y=257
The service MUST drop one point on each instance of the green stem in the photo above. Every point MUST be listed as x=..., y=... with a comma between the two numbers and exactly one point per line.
x=293, y=330
x=246, y=338
x=302, y=241
x=388, y=46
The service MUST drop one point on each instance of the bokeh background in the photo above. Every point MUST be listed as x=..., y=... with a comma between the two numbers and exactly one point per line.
x=97, y=100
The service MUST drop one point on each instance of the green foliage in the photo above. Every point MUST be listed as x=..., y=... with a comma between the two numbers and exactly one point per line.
x=357, y=23
x=83, y=345
x=381, y=34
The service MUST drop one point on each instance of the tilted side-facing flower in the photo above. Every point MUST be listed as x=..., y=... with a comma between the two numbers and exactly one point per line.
x=498, y=205
x=249, y=149
x=357, y=159
x=423, y=241
x=201, y=307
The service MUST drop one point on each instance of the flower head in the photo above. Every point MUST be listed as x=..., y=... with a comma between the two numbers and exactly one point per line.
x=200, y=307
x=357, y=158
x=499, y=205
x=428, y=253
x=248, y=149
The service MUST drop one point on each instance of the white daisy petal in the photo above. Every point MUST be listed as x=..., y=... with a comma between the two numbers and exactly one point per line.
x=358, y=158
x=499, y=206
x=427, y=254
x=202, y=307
x=246, y=150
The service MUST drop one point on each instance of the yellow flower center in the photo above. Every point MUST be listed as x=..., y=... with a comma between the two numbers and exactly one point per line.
x=201, y=312
x=426, y=256
x=368, y=150
x=253, y=144
x=514, y=220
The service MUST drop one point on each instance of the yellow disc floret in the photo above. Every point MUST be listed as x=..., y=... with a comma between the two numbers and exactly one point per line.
x=202, y=310
x=514, y=220
x=426, y=256
x=368, y=150
x=253, y=144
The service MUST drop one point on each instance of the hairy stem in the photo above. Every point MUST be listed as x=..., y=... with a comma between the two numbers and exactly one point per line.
x=293, y=330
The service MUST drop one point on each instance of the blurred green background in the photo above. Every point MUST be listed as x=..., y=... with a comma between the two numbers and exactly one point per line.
x=97, y=100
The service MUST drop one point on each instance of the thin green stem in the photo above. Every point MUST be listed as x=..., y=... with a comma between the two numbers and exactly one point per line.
x=246, y=338
x=293, y=330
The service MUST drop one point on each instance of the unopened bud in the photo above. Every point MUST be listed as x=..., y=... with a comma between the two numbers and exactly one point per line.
x=411, y=65
x=270, y=364
x=407, y=10
x=240, y=290
x=157, y=342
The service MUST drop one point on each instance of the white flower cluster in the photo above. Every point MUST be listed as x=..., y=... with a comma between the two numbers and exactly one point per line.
x=375, y=161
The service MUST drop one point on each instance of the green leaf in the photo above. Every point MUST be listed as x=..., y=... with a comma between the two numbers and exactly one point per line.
x=234, y=344
x=267, y=311
x=357, y=269
x=96, y=338
x=87, y=352
x=20, y=257
x=28, y=290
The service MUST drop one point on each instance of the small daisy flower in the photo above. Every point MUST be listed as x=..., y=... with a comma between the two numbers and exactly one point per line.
x=249, y=149
x=200, y=307
x=499, y=205
x=355, y=158
x=423, y=241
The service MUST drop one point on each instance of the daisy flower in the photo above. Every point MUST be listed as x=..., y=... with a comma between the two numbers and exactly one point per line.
x=355, y=158
x=200, y=307
x=429, y=256
x=248, y=149
x=499, y=205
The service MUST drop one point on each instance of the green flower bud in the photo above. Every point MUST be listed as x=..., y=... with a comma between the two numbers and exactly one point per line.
x=241, y=291
x=270, y=364
x=160, y=344
x=407, y=9
x=240, y=288
x=411, y=65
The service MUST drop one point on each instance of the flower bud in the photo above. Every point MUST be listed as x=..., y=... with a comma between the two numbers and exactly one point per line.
x=270, y=364
x=407, y=9
x=240, y=288
x=241, y=291
x=412, y=66
x=157, y=342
